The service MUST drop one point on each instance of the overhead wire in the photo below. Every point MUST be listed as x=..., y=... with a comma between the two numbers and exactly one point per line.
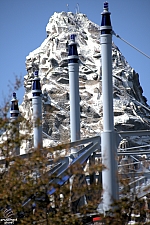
x=118, y=36
x=131, y=45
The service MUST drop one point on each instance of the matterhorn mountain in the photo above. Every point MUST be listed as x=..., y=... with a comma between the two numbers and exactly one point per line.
x=131, y=111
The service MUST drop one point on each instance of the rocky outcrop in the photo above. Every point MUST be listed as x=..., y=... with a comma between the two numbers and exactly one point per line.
x=131, y=111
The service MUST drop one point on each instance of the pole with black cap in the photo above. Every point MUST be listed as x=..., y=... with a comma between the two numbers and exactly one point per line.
x=108, y=136
x=37, y=110
x=14, y=113
x=73, y=66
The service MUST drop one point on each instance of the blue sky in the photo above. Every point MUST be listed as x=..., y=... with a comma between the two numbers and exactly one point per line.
x=23, y=29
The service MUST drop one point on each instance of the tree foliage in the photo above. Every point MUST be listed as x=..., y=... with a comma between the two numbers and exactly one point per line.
x=29, y=191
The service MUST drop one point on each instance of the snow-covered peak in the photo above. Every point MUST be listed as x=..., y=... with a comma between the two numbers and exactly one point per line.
x=130, y=105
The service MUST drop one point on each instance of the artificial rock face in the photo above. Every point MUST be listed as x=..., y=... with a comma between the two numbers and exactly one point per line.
x=131, y=111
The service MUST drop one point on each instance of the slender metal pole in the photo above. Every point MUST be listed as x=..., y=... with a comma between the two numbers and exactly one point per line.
x=14, y=112
x=108, y=137
x=37, y=111
x=73, y=65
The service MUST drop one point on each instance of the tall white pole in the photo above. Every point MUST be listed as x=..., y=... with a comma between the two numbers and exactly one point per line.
x=37, y=111
x=108, y=136
x=73, y=65
x=14, y=112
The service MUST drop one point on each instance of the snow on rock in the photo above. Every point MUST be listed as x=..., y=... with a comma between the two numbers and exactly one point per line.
x=131, y=111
